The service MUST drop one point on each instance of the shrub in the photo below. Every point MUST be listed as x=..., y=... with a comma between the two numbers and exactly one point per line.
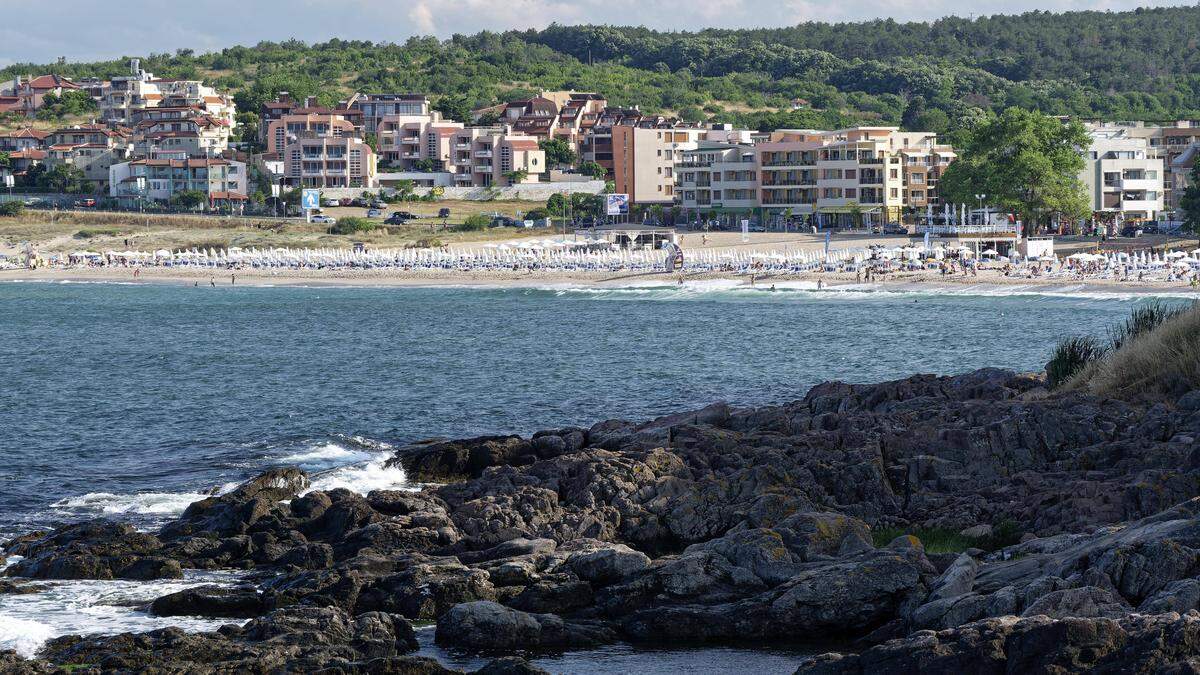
x=1070, y=356
x=426, y=242
x=1143, y=320
x=11, y=208
x=473, y=223
x=537, y=214
x=351, y=225
x=97, y=232
x=1162, y=361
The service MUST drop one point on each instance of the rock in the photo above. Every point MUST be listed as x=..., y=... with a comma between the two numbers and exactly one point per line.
x=977, y=532
x=237, y=511
x=1136, y=643
x=1180, y=596
x=957, y=580
x=606, y=565
x=488, y=625
x=510, y=665
x=239, y=602
x=1088, y=601
x=97, y=549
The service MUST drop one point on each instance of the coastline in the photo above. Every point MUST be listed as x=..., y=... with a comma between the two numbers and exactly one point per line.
x=988, y=282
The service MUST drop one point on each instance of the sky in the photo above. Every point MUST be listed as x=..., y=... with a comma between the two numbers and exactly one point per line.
x=40, y=31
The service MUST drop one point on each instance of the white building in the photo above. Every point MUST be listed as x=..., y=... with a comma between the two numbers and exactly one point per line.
x=1122, y=178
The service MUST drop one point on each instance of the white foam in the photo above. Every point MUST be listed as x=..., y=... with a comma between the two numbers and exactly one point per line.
x=326, y=456
x=143, y=503
x=363, y=478
x=95, y=607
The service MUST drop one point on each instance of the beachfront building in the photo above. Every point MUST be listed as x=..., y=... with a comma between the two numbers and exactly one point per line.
x=329, y=161
x=417, y=142
x=1175, y=143
x=223, y=182
x=644, y=159
x=1123, y=181
x=122, y=97
x=429, y=151
x=91, y=148
x=287, y=129
x=843, y=178
x=718, y=176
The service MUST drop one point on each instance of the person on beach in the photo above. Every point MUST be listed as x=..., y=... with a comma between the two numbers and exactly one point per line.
x=820, y=284
x=232, y=279
x=212, y=281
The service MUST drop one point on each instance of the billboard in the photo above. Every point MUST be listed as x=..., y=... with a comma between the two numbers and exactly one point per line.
x=310, y=199
x=616, y=204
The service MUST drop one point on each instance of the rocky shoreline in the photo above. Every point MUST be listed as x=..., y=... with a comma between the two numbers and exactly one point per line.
x=720, y=525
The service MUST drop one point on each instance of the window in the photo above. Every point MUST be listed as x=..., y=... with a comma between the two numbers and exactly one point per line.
x=851, y=173
x=851, y=193
x=895, y=193
x=894, y=173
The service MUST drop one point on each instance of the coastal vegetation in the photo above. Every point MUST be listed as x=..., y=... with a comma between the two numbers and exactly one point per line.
x=1155, y=352
x=941, y=76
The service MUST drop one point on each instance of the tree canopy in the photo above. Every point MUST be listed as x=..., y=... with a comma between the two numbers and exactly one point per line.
x=1024, y=161
x=1142, y=64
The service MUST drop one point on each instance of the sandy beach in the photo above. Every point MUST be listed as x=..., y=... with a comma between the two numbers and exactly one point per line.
x=988, y=281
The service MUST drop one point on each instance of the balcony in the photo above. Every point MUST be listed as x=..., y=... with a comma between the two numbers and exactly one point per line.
x=411, y=155
x=486, y=154
x=410, y=140
x=462, y=145
x=482, y=169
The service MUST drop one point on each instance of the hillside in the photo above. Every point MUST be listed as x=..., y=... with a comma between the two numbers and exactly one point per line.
x=1142, y=64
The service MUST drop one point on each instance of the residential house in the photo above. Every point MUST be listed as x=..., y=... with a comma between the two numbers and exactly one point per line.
x=27, y=94
x=567, y=115
x=284, y=105
x=286, y=129
x=23, y=139
x=123, y=96
x=644, y=158
x=188, y=129
x=375, y=107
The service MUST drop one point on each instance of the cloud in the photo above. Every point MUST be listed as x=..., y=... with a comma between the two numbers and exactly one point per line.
x=87, y=30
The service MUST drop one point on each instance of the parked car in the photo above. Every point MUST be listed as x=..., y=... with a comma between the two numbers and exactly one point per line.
x=359, y=202
x=33, y=201
x=1131, y=231
x=86, y=202
x=404, y=215
x=331, y=202
x=374, y=213
x=505, y=221
x=346, y=201
x=376, y=204
x=443, y=212
x=395, y=220
x=326, y=220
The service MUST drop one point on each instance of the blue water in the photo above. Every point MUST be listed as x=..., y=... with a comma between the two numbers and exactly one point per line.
x=127, y=399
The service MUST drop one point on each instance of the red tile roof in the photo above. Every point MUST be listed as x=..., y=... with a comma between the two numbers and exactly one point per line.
x=52, y=82
x=29, y=153
x=27, y=132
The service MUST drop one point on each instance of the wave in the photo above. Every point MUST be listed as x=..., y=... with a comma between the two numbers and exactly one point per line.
x=363, y=478
x=95, y=607
x=143, y=503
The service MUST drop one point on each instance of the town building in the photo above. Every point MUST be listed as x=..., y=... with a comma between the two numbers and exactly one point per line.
x=223, y=182
x=566, y=115
x=23, y=139
x=123, y=96
x=91, y=148
x=1176, y=143
x=284, y=105
x=1124, y=182
x=329, y=161
x=375, y=107
x=841, y=178
x=26, y=95
x=289, y=128
x=644, y=158
x=189, y=129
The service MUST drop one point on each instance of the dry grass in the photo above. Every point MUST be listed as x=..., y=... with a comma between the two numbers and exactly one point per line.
x=1157, y=363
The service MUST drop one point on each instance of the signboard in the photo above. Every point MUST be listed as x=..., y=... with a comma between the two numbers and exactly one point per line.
x=616, y=204
x=745, y=230
x=9, y=181
x=275, y=190
x=310, y=199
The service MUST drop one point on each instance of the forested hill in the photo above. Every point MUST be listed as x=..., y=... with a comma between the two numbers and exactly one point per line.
x=1143, y=64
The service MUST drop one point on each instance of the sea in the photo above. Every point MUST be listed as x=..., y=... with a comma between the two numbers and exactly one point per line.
x=130, y=401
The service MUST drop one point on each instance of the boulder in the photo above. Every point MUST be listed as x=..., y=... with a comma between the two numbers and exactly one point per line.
x=219, y=601
x=489, y=625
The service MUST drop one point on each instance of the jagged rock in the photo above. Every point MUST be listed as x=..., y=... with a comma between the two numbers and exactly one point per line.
x=237, y=511
x=489, y=625
x=510, y=665
x=1088, y=601
x=606, y=565
x=97, y=549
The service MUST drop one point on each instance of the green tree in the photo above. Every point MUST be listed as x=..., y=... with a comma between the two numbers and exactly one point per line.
x=516, y=176
x=455, y=108
x=1025, y=162
x=1189, y=203
x=558, y=152
x=372, y=141
x=63, y=178
x=558, y=205
x=188, y=199
x=594, y=169
x=5, y=160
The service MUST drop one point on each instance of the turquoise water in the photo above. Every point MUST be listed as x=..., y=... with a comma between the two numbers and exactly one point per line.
x=130, y=399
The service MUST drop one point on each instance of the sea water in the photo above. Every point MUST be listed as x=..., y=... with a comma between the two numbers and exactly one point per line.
x=132, y=401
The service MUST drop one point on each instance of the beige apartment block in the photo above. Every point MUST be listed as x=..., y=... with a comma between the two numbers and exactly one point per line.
x=1123, y=181
x=644, y=160
x=329, y=162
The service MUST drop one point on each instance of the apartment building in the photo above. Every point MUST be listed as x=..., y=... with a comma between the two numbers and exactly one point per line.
x=329, y=162
x=123, y=96
x=90, y=148
x=188, y=129
x=485, y=156
x=224, y=182
x=283, y=131
x=644, y=159
x=597, y=144
x=841, y=177
x=284, y=105
x=23, y=139
x=567, y=115
x=717, y=175
x=375, y=107
x=416, y=142
x=1175, y=143
x=1124, y=182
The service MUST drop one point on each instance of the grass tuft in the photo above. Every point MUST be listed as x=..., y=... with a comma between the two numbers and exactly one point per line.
x=1070, y=357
